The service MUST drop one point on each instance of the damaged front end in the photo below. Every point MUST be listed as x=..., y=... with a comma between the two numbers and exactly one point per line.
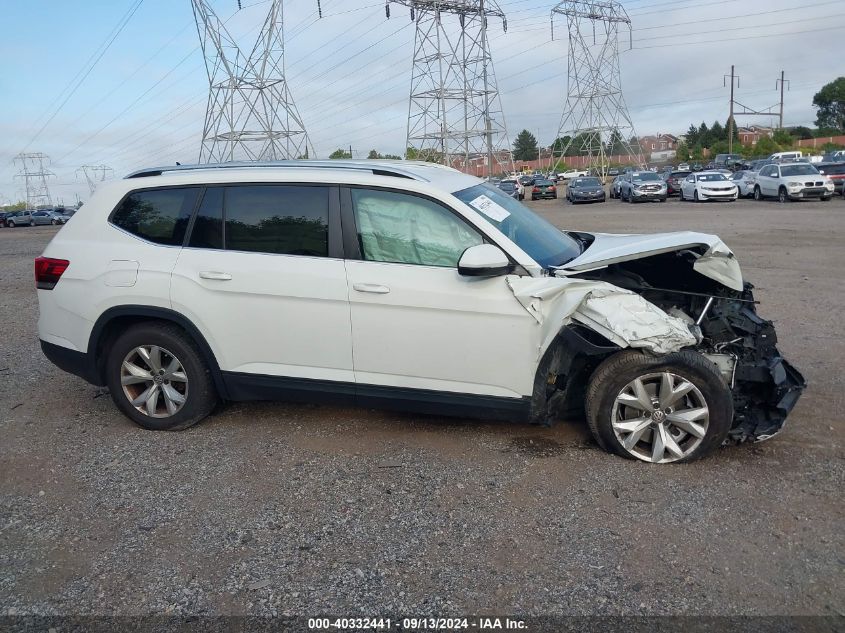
x=728, y=330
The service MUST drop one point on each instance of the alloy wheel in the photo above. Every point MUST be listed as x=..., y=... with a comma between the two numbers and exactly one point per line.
x=660, y=417
x=154, y=381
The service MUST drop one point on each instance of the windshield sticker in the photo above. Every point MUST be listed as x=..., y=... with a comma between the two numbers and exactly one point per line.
x=489, y=208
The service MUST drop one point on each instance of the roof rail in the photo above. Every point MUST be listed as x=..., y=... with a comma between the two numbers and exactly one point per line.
x=377, y=167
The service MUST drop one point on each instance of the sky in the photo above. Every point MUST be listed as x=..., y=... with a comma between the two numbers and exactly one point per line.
x=85, y=92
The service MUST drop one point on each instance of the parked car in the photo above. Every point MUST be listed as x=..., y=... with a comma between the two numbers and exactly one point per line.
x=616, y=186
x=792, y=181
x=684, y=167
x=3, y=216
x=19, y=218
x=727, y=161
x=585, y=190
x=697, y=167
x=673, y=181
x=573, y=173
x=543, y=189
x=708, y=185
x=744, y=179
x=613, y=171
x=352, y=257
x=48, y=217
x=834, y=171
x=526, y=181
x=512, y=188
x=642, y=186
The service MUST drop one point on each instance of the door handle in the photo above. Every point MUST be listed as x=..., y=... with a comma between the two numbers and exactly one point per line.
x=375, y=288
x=217, y=276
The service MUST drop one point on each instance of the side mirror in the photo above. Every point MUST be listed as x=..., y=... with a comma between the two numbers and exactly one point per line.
x=484, y=260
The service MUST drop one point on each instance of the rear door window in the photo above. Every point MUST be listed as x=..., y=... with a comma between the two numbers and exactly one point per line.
x=274, y=219
x=157, y=215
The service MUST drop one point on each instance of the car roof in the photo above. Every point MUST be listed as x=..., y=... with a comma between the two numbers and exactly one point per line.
x=440, y=176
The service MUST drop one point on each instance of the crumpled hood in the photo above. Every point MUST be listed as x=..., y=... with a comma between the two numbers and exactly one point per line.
x=718, y=261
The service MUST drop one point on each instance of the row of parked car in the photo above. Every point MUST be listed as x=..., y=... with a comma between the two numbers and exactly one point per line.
x=30, y=217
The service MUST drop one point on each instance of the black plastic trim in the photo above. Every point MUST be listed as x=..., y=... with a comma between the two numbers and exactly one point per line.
x=152, y=312
x=71, y=361
x=250, y=387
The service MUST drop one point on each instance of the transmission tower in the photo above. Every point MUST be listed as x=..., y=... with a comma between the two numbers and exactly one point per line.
x=595, y=117
x=250, y=113
x=454, y=112
x=94, y=174
x=34, y=173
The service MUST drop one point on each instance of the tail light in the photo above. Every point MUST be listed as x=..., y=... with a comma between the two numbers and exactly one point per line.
x=48, y=271
x=552, y=187
x=536, y=190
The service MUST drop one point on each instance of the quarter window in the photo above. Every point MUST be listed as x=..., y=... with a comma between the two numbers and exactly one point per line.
x=157, y=215
x=406, y=229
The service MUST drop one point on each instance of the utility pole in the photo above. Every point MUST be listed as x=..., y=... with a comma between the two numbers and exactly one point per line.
x=454, y=108
x=781, y=82
x=250, y=113
x=731, y=116
x=34, y=172
x=595, y=106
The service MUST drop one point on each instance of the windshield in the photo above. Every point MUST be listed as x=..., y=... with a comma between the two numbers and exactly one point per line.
x=798, y=170
x=645, y=176
x=546, y=244
x=711, y=177
x=586, y=182
x=507, y=186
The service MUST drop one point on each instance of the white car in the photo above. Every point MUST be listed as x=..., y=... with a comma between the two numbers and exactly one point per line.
x=745, y=179
x=573, y=173
x=708, y=185
x=403, y=285
x=792, y=181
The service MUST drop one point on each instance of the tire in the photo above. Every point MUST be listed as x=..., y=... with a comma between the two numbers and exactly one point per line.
x=783, y=198
x=11, y=225
x=54, y=222
x=826, y=198
x=662, y=200
x=614, y=380
x=197, y=390
x=32, y=223
x=695, y=195
x=681, y=195
x=758, y=194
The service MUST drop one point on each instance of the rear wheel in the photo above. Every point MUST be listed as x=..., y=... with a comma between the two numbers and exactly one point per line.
x=673, y=408
x=158, y=378
x=32, y=223
x=758, y=195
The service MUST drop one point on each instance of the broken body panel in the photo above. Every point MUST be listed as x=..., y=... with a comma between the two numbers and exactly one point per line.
x=659, y=293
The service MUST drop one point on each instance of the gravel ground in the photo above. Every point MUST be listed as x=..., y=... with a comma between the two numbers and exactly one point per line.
x=270, y=509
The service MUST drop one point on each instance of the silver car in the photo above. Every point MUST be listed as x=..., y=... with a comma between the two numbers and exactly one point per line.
x=20, y=218
x=745, y=179
x=48, y=216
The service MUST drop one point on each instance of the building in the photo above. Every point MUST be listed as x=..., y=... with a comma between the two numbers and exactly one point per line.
x=753, y=133
x=658, y=143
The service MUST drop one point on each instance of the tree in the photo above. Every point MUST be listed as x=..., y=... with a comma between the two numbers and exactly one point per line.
x=615, y=144
x=801, y=132
x=783, y=138
x=525, y=146
x=373, y=154
x=692, y=135
x=830, y=101
x=682, y=151
x=717, y=133
x=340, y=153
x=766, y=146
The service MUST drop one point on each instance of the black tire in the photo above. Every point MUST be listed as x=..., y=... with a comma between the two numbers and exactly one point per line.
x=758, y=193
x=782, y=195
x=54, y=222
x=617, y=371
x=201, y=396
x=826, y=198
x=695, y=196
x=11, y=225
x=32, y=223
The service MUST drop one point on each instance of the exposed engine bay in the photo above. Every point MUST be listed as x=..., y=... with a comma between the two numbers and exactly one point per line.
x=728, y=331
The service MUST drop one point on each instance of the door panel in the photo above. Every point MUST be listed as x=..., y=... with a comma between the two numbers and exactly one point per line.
x=437, y=330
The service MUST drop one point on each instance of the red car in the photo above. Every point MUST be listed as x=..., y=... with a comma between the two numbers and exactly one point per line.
x=836, y=172
x=674, y=180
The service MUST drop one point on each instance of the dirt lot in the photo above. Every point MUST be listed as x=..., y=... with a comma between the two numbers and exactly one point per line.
x=291, y=509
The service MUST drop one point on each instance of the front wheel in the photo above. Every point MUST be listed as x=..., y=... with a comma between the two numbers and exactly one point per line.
x=695, y=196
x=32, y=223
x=158, y=378
x=758, y=195
x=782, y=196
x=672, y=408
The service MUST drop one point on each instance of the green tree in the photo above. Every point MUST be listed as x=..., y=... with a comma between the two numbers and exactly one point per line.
x=682, y=152
x=801, y=132
x=373, y=154
x=717, y=133
x=525, y=146
x=766, y=146
x=783, y=138
x=692, y=135
x=340, y=153
x=830, y=101
x=615, y=144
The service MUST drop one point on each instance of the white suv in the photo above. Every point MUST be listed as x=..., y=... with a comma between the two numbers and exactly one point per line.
x=792, y=181
x=403, y=285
